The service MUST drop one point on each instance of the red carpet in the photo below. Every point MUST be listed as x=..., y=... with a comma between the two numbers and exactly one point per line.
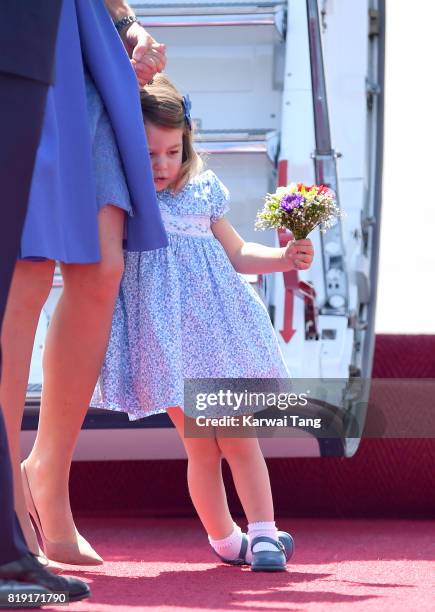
x=339, y=565
x=355, y=561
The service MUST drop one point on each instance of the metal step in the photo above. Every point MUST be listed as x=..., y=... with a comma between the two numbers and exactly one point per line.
x=33, y=394
x=267, y=16
x=229, y=57
x=245, y=161
x=233, y=142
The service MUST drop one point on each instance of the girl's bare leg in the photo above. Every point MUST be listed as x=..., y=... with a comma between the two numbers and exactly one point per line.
x=204, y=477
x=74, y=352
x=30, y=287
x=251, y=479
x=250, y=475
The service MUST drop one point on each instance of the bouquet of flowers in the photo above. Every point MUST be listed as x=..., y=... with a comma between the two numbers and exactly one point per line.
x=299, y=208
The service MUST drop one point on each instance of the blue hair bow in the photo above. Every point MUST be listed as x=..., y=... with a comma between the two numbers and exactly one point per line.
x=187, y=105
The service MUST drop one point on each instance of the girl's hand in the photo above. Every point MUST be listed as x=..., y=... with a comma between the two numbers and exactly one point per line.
x=299, y=254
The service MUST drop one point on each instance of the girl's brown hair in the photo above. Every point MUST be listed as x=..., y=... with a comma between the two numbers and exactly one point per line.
x=162, y=105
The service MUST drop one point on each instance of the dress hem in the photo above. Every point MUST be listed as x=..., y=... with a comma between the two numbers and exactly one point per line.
x=135, y=415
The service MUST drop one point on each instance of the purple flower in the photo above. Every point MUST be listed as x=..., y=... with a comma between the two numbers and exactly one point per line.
x=291, y=201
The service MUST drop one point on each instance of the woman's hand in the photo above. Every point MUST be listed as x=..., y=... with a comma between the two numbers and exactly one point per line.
x=147, y=56
x=299, y=254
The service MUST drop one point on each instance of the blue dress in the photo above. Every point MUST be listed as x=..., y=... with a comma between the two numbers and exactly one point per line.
x=93, y=148
x=184, y=312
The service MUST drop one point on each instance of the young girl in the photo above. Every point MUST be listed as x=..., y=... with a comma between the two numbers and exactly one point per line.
x=185, y=312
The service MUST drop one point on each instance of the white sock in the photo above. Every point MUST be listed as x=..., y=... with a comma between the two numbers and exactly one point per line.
x=229, y=547
x=264, y=528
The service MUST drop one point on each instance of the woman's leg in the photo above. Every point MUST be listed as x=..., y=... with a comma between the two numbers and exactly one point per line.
x=204, y=477
x=30, y=287
x=74, y=352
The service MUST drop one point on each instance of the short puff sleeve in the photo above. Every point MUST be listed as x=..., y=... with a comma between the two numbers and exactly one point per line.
x=220, y=197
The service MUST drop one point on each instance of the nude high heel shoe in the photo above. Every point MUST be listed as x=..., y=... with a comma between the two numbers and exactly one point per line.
x=79, y=552
x=49, y=564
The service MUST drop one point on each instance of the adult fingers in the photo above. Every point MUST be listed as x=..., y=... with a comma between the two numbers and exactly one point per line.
x=159, y=58
x=152, y=61
x=143, y=43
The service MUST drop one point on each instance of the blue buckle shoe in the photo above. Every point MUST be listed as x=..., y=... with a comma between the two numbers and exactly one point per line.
x=284, y=537
x=288, y=543
x=241, y=559
x=268, y=560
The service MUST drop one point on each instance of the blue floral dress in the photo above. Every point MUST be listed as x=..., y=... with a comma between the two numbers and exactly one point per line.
x=184, y=312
